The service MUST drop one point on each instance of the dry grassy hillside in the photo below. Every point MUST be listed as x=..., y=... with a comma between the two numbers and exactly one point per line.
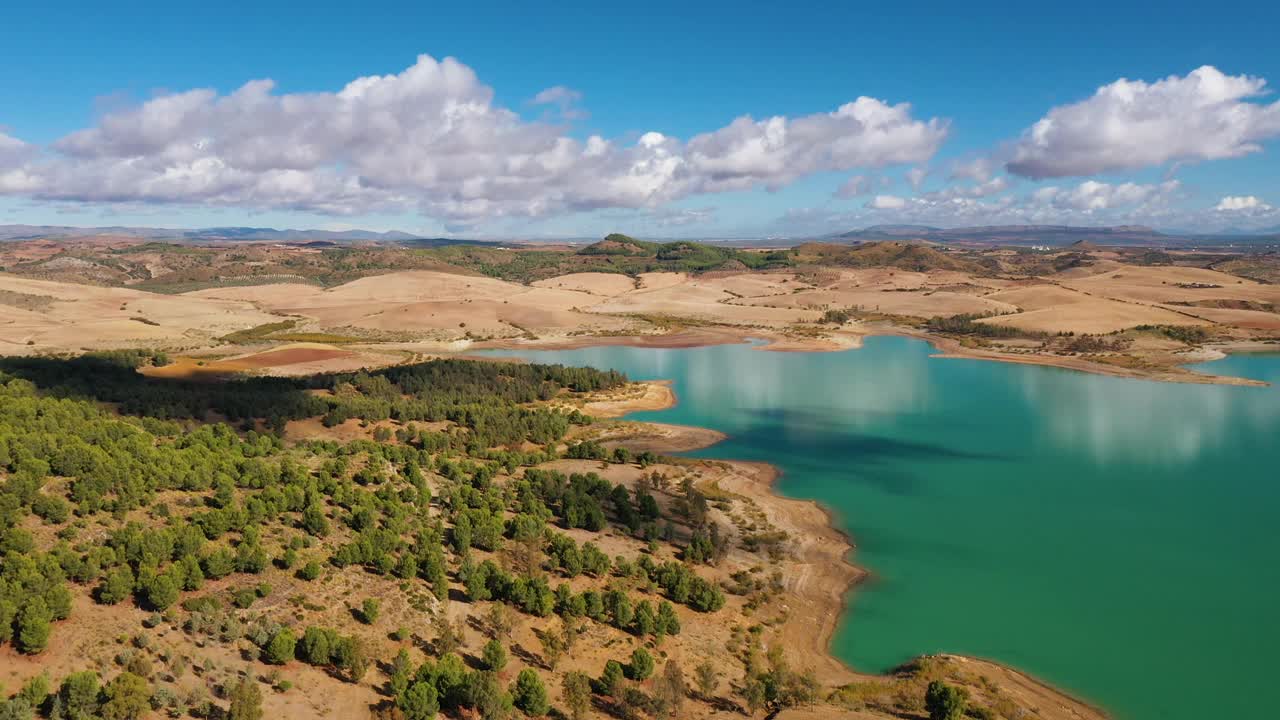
x=1088, y=307
x=904, y=255
x=46, y=315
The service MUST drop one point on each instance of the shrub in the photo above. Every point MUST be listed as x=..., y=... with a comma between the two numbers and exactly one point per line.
x=835, y=317
x=944, y=702
x=127, y=697
x=577, y=694
x=419, y=702
x=280, y=649
x=50, y=508
x=612, y=677
x=369, y=611
x=317, y=645
x=641, y=665
x=79, y=694
x=246, y=700
x=529, y=694
x=36, y=691
x=34, y=625
x=310, y=571
x=161, y=592
x=494, y=656
x=967, y=324
x=116, y=586
x=244, y=598
x=1189, y=335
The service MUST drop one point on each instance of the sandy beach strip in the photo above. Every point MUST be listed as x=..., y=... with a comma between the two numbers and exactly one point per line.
x=951, y=348
x=851, y=339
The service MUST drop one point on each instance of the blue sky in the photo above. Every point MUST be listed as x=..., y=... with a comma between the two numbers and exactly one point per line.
x=985, y=72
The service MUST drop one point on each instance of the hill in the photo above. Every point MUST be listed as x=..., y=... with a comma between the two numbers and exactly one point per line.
x=619, y=244
x=1056, y=235
x=250, y=233
x=889, y=232
x=913, y=256
x=181, y=266
x=615, y=253
x=1084, y=245
x=31, y=232
x=169, y=267
x=418, y=242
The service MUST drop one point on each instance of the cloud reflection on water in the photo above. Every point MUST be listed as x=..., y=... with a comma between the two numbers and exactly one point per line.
x=1150, y=422
x=893, y=387
x=827, y=389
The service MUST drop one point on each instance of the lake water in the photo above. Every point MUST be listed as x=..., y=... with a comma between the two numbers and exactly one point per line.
x=1117, y=538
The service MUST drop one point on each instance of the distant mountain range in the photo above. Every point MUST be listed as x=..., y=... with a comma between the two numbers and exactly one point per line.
x=1264, y=231
x=31, y=232
x=1047, y=235
x=1051, y=235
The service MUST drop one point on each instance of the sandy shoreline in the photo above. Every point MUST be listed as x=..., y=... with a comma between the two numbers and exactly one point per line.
x=653, y=395
x=820, y=574
x=951, y=348
x=273, y=360
x=773, y=341
x=947, y=347
x=818, y=578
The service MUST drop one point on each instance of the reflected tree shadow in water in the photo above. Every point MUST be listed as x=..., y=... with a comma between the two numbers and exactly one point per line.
x=890, y=544
x=822, y=415
x=804, y=444
x=823, y=418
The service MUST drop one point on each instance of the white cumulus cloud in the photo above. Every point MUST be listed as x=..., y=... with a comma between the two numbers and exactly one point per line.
x=557, y=95
x=854, y=186
x=1091, y=195
x=1126, y=125
x=979, y=169
x=431, y=139
x=10, y=148
x=1088, y=203
x=778, y=150
x=994, y=186
x=1236, y=203
x=886, y=202
x=563, y=99
x=14, y=177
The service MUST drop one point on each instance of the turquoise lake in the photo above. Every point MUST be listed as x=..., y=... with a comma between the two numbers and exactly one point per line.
x=1117, y=538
